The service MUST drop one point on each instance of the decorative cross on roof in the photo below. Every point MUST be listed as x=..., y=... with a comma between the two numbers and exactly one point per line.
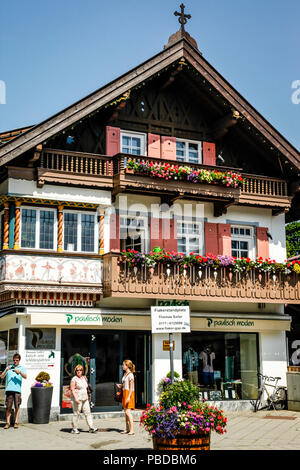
x=182, y=17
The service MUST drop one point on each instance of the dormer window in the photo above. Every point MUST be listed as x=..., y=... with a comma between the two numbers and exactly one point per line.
x=188, y=151
x=133, y=143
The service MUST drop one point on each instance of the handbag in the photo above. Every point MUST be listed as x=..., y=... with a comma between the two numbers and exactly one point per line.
x=89, y=389
x=118, y=394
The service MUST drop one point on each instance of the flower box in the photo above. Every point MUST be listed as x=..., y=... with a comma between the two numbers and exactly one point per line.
x=184, y=440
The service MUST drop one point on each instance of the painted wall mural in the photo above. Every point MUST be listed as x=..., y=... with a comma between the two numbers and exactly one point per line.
x=50, y=269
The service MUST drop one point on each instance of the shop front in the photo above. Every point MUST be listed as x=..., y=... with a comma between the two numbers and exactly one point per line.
x=101, y=353
x=224, y=354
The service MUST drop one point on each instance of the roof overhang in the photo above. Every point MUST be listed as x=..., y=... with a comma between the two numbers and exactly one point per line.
x=135, y=77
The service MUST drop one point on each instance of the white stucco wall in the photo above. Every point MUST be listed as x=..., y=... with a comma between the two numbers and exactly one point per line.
x=273, y=354
x=161, y=360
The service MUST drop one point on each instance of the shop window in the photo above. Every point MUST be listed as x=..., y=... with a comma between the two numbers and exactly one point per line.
x=224, y=365
x=133, y=143
x=80, y=232
x=188, y=151
x=242, y=241
x=38, y=227
x=133, y=233
x=188, y=237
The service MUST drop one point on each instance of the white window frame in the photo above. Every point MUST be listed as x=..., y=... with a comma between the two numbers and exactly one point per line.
x=144, y=239
x=186, y=142
x=37, y=228
x=247, y=238
x=79, y=232
x=132, y=134
x=188, y=236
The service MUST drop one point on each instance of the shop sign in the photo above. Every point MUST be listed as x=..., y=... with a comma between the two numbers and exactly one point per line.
x=174, y=302
x=78, y=319
x=229, y=322
x=166, y=345
x=39, y=359
x=170, y=319
x=239, y=324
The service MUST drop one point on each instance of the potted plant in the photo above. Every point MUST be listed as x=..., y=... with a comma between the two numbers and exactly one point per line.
x=165, y=381
x=41, y=393
x=181, y=421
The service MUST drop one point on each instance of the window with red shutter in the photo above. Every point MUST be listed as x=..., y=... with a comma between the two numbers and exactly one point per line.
x=208, y=153
x=112, y=141
x=262, y=242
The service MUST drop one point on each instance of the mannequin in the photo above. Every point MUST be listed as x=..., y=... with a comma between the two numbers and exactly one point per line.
x=190, y=360
x=73, y=362
x=207, y=357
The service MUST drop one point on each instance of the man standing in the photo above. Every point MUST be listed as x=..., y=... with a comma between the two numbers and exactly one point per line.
x=14, y=375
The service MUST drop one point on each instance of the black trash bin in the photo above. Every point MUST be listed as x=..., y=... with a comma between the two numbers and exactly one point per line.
x=41, y=404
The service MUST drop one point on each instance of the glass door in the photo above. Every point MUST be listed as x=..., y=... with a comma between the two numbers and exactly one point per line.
x=102, y=353
x=76, y=349
x=108, y=371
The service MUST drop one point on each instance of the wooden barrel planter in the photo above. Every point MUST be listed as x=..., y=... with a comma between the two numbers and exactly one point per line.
x=184, y=440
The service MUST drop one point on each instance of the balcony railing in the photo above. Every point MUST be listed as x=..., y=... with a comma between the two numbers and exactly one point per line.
x=75, y=167
x=165, y=281
x=110, y=172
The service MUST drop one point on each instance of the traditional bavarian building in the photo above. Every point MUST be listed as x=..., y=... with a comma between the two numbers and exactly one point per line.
x=168, y=156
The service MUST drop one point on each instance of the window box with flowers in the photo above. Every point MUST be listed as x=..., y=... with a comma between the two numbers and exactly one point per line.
x=186, y=173
x=134, y=258
x=181, y=421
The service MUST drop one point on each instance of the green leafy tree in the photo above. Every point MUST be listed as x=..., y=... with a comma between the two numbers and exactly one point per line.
x=292, y=239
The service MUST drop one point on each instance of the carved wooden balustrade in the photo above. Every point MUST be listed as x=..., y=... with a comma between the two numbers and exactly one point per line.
x=75, y=167
x=167, y=281
x=103, y=171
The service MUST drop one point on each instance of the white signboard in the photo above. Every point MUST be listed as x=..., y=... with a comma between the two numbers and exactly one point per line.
x=170, y=319
x=39, y=359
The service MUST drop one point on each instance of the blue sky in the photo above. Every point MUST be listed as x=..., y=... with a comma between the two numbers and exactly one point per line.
x=53, y=53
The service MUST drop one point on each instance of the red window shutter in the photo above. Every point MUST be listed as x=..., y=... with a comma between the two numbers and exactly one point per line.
x=155, y=233
x=170, y=243
x=168, y=147
x=262, y=242
x=154, y=145
x=114, y=227
x=211, y=238
x=224, y=238
x=209, y=153
x=113, y=143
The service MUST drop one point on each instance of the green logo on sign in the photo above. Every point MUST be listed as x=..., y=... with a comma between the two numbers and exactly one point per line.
x=209, y=321
x=69, y=317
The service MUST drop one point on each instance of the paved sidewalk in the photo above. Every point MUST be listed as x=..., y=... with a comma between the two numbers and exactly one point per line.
x=265, y=430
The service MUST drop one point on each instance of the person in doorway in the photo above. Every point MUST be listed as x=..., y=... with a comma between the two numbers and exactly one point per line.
x=80, y=401
x=128, y=399
x=14, y=375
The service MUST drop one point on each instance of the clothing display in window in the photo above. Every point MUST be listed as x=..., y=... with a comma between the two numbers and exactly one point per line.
x=207, y=357
x=191, y=361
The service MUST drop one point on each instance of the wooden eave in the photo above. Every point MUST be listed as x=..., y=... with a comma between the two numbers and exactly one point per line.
x=137, y=76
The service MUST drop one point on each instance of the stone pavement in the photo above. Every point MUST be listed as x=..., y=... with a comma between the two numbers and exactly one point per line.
x=264, y=430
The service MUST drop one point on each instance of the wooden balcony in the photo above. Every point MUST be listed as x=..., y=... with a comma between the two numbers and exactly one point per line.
x=101, y=171
x=221, y=285
x=85, y=169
